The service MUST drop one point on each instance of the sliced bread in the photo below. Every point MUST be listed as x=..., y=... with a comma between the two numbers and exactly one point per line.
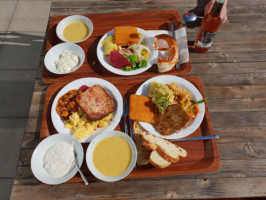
x=167, y=150
x=157, y=160
x=143, y=152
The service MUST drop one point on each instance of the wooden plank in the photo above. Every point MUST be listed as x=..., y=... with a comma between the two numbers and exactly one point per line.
x=229, y=56
x=228, y=68
x=238, y=105
x=233, y=79
x=236, y=119
x=148, y=189
x=235, y=92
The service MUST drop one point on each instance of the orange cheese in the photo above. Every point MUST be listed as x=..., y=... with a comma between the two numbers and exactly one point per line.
x=126, y=35
x=141, y=108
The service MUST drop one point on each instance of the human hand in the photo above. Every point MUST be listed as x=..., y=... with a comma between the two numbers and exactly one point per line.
x=223, y=14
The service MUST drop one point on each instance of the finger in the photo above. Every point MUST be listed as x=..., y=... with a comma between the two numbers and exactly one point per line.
x=223, y=20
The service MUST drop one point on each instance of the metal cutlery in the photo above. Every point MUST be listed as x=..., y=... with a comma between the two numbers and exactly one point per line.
x=125, y=114
x=80, y=172
x=127, y=120
x=190, y=17
x=196, y=138
x=172, y=29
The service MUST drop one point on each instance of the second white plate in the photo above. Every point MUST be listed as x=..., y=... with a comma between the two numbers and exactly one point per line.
x=183, y=84
x=105, y=62
x=109, y=88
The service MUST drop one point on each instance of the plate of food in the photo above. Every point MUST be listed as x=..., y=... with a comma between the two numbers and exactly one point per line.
x=167, y=106
x=87, y=107
x=127, y=51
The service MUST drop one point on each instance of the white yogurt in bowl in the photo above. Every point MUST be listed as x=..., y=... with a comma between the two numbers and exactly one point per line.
x=45, y=162
x=64, y=58
x=67, y=62
x=59, y=159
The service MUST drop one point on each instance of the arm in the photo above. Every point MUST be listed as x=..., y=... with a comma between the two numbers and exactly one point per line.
x=223, y=14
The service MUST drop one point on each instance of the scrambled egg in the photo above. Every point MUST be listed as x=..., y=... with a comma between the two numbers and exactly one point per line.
x=82, y=127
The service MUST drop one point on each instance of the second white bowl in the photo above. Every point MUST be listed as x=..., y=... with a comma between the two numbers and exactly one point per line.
x=54, y=54
x=68, y=20
x=91, y=148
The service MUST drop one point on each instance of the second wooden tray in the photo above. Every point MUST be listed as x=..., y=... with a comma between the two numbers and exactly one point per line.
x=152, y=20
x=203, y=156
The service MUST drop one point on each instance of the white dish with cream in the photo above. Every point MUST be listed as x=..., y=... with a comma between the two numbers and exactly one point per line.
x=49, y=167
x=64, y=58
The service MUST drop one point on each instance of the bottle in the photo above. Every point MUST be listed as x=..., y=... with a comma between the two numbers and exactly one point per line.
x=208, y=28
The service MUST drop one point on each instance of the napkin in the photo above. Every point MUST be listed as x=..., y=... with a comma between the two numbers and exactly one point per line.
x=181, y=37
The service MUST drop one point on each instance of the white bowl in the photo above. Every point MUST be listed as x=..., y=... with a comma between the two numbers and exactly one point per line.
x=93, y=144
x=54, y=54
x=68, y=20
x=37, y=158
x=106, y=63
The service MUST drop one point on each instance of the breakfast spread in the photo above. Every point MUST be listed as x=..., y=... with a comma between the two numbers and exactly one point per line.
x=126, y=49
x=67, y=62
x=76, y=31
x=59, y=159
x=86, y=109
x=112, y=156
x=168, y=107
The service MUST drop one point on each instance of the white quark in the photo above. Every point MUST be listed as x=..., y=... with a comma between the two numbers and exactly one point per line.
x=67, y=62
x=59, y=159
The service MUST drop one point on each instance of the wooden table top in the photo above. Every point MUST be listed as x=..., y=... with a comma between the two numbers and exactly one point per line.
x=233, y=74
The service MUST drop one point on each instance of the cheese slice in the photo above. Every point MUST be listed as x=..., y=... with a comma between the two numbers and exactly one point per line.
x=125, y=36
x=141, y=108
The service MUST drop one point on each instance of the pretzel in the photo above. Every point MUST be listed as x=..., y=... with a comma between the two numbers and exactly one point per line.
x=166, y=64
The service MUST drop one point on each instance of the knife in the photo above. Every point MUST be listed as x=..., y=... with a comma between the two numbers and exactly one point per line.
x=125, y=114
x=172, y=29
x=208, y=137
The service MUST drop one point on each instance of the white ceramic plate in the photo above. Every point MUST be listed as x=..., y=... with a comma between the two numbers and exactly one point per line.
x=108, y=87
x=73, y=18
x=183, y=84
x=40, y=151
x=151, y=59
x=95, y=141
x=54, y=54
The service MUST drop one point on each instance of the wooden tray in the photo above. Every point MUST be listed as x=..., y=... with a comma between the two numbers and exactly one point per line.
x=152, y=20
x=203, y=156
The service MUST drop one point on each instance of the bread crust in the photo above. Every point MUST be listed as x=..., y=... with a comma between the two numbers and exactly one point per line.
x=165, y=151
